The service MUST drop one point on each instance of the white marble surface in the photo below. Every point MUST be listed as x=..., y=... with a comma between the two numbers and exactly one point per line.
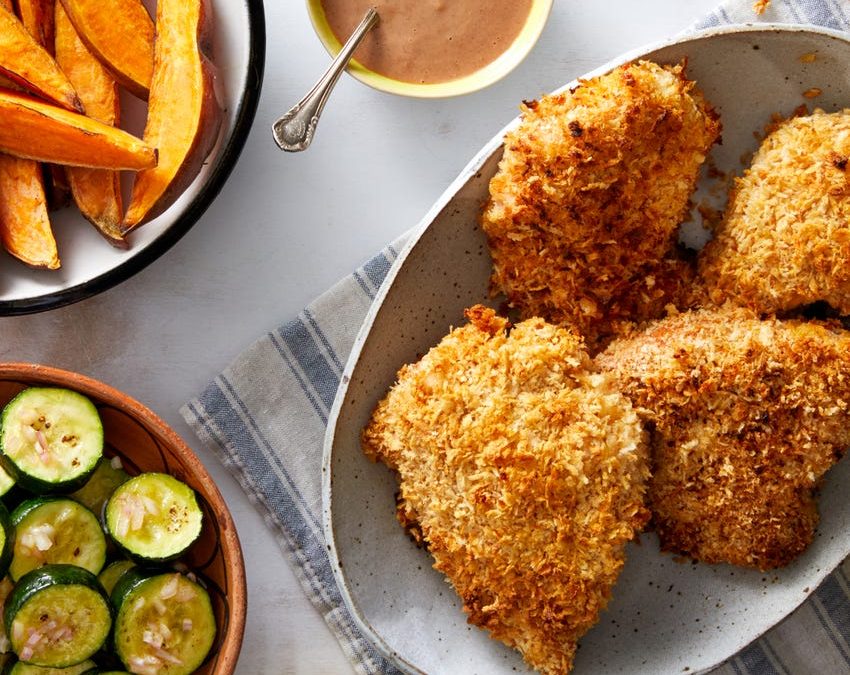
x=283, y=229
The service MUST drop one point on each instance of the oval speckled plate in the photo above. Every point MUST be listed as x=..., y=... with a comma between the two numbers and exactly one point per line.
x=666, y=617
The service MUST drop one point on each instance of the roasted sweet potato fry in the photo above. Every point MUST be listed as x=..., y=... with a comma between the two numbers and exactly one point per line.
x=24, y=224
x=37, y=17
x=97, y=192
x=26, y=63
x=121, y=34
x=43, y=132
x=184, y=115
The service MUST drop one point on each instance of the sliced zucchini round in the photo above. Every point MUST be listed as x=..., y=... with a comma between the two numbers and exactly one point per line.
x=50, y=530
x=153, y=517
x=7, y=539
x=110, y=576
x=6, y=483
x=51, y=439
x=21, y=668
x=99, y=488
x=164, y=623
x=57, y=616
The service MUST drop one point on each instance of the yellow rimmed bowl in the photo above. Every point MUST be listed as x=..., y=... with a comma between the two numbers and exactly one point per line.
x=484, y=77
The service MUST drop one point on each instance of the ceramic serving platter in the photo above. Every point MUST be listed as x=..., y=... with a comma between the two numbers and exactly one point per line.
x=666, y=616
x=89, y=264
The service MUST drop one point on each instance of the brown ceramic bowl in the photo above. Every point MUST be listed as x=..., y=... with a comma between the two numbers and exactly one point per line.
x=146, y=443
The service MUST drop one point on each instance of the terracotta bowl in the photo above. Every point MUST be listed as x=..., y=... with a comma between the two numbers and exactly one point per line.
x=146, y=443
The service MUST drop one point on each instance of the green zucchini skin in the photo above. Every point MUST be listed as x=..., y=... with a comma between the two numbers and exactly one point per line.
x=100, y=486
x=7, y=532
x=136, y=597
x=113, y=573
x=49, y=578
x=48, y=402
x=85, y=535
x=20, y=668
x=155, y=542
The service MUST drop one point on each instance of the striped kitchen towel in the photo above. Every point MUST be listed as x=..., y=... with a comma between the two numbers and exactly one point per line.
x=265, y=417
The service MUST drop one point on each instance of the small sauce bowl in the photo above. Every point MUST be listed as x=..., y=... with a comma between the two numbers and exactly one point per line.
x=484, y=77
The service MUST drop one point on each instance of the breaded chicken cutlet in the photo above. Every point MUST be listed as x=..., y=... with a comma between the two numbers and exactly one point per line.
x=745, y=416
x=784, y=241
x=584, y=211
x=523, y=472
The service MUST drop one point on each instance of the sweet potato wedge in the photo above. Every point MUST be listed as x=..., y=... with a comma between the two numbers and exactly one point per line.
x=40, y=131
x=37, y=17
x=24, y=224
x=97, y=192
x=184, y=116
x=26, y=63
x=5, y=82
x=121, y=34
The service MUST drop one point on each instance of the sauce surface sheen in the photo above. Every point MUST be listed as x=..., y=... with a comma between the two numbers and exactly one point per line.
x=430, y=41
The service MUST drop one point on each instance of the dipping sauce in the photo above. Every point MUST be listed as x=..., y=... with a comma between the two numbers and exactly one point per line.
x=430, y=41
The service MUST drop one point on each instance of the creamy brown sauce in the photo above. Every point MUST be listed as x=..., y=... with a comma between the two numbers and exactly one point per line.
x=429, y=41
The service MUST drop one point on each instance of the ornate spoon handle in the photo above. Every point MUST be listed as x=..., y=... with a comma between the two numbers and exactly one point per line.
x=294, y=131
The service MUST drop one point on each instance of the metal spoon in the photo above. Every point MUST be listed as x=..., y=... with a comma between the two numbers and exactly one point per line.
x=295, y=130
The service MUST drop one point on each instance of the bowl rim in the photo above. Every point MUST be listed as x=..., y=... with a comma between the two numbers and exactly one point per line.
x=484, y=77
x=232, y=147
x=238, y=594
x=360, y=621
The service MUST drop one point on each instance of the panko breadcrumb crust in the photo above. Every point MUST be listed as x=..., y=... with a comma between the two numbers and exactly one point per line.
x=523, y=471
x=584, y=210
x=745, y=417
x=784, y=241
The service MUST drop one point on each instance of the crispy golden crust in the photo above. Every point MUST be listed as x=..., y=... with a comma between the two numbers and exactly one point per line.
x=785, y=238
x=584, y=210
x=523, y=471
x=745, y=415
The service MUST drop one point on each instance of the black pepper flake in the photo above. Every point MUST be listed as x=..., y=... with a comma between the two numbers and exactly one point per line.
x=840, y=163
x=575, y=129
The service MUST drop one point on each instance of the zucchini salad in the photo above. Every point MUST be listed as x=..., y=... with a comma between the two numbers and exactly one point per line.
x=92, y=580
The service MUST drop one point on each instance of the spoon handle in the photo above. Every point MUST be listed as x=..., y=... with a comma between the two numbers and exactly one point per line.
x=294, y=131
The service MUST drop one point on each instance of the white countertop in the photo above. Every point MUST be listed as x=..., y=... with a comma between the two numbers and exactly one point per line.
x=286, y=227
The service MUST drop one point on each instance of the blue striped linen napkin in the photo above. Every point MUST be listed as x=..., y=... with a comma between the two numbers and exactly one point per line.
x=265, y=418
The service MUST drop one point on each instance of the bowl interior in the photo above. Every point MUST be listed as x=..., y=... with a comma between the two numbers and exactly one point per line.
x=89, y=263
x=484, y=77
x=665, y=616
x=145, y=443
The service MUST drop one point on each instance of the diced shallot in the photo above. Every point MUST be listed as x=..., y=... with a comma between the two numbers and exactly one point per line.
x=138, y=514
x=152, y=638
x=145, y=665
x=122, y=525
x=169, y=590
x=187, y=625
x=115, y=463
x=185, y=593
x=34, y=638
x=39, y=537
x=28, y=416
x=168, y=657
x=41, y=446
x=159, y=606
x=150, y=505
